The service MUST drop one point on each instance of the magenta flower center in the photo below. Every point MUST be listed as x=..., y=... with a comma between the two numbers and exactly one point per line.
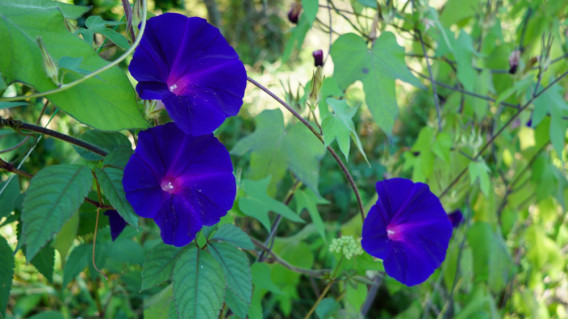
x=173, y=88
x=169, y=185
x=394, y=232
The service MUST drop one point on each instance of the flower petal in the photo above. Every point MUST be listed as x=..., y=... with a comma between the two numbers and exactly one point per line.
x=409, y=266
x=374, y=236
x=117, y=223
x=193, y=114
x=142, y=187
x=177, y=222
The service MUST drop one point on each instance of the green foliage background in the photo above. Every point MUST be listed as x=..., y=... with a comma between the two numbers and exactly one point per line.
x=415, y=89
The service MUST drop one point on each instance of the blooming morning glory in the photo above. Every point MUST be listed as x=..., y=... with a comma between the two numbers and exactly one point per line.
x=188, y=65
x=408, y=229
x=181, y=181
x=117, y=223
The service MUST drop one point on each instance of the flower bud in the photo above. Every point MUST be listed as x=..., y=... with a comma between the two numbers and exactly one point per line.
x=50, y=67
x=514, y=60
x=456, y=218
x=137, y=12
x=318, y=58
x=294, y=12
x=69, y=26
x=317, y=81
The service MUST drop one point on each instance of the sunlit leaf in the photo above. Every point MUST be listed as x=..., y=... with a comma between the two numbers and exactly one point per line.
x=377, y=68
x=258, y=204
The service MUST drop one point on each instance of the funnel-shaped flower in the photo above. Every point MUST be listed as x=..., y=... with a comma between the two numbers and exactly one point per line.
x=186, y=63
x=407, y=228
x=183, y=182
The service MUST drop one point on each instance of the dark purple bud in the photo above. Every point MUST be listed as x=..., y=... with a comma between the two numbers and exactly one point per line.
x=529, y=122
x=318, y=58
x=456, y=218
x=294, y=12
x=514, y=59
x=117, y=223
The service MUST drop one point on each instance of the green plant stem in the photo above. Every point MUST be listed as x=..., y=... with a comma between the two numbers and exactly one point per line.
x=69, y=85
x=19, y=125
x=493, y=137
x=320, y=137
x=320, y=298
x=326, y=289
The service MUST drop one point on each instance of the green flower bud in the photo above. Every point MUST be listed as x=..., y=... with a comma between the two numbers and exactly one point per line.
x=50, y=67
x=317, y=81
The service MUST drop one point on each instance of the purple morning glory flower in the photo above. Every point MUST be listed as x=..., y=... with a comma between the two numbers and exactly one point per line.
x=117, y=223
x=456, y=218
x=408, y=229
x=183, y=182
x=188, y=65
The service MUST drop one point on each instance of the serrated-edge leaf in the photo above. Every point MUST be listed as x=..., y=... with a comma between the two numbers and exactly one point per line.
x=159, y=264
x=110, y=180
x=6, y=274
x=236, y=304
x=199, y=285
x=237, y=271
x=233, y=235
x=54, y=195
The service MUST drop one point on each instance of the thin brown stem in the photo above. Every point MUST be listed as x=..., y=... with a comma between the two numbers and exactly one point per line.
x=320, y=137
x=431, y=76
x=19, y=126
x=309, y=272
x=449, y=87
x=10, y=168
x=94, y=244
x=493, y=137
x=15, y=146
